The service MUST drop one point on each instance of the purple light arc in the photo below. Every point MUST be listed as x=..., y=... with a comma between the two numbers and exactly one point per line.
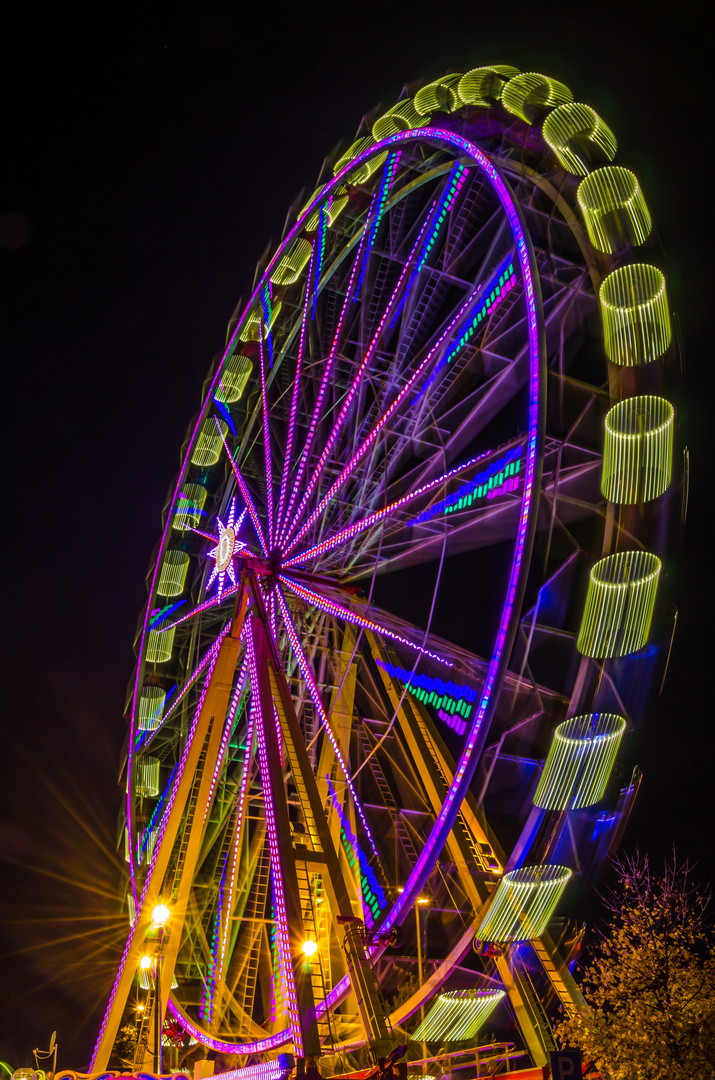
x=524, y=540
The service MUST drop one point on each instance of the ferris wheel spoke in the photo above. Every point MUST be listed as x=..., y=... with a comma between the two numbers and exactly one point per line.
x=357, y=528
x=356, y=381
x=245, y=493
x=325, y=383
x=310, y=682
x=296, y=394
x=338, y=611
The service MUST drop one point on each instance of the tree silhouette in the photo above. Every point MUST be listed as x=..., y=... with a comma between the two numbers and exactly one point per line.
x=650, y=986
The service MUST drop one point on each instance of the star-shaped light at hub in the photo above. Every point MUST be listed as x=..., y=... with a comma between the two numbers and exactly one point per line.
x=227, y=545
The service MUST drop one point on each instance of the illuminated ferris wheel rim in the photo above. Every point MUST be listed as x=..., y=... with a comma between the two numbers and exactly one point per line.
x=527, y=524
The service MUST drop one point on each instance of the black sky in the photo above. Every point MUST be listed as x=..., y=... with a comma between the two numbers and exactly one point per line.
x=150, y=153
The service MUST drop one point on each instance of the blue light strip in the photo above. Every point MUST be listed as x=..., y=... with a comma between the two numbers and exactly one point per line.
x=498, y=479
x=452, y=188
x=453, y=703
x=387, y=177
x=226, y=414
x=160, y=615
x=322, y=229
x=268, y=318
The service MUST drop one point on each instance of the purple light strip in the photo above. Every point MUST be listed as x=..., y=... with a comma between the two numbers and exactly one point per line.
x=315, y=695
x=348, y=399
x=373, y=519
x=340, y=612
x=246, y=495
x=328, y=367
x=148, y=881
x=370, y=439
x=266, y=440
x=281, y=916
x=294, y=401
x=414, y=882
x=468, y=760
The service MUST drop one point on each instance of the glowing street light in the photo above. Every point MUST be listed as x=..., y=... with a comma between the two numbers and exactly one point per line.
x=310, y=947
x=160, y=916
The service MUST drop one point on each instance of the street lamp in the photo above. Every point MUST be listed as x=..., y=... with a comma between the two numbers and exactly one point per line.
x=159, y=918
x=422, y=901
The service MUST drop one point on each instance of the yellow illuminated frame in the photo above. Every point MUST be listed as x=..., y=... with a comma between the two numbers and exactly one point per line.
x=209, y=443
x=635, y=315
x=637, y=449
x=614, y=209
x=172, y=577
x=527, y=95
x=621, y=595
x=580, y=760
x=523, y=903
x=457, y=1015
x=575, y=132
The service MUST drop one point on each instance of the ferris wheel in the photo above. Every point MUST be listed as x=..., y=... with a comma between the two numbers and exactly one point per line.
x=400, y=617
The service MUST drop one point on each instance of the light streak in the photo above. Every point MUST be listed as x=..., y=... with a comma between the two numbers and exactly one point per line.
x=475, y=296
x=328, y=367
x=377, y=516
x=349, y=616
x=348, y=399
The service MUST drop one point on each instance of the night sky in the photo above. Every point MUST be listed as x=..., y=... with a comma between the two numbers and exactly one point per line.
x=149, y=155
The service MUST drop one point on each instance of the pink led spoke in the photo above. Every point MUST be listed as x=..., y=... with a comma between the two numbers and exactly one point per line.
x=327, y=371
x=245, y=494
x=348, y=400
x=282, y=930
x=314, y=692
x=294, y=401
x=372, y=519
x=349, y=616
x=266, y=439
x=406, y=390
